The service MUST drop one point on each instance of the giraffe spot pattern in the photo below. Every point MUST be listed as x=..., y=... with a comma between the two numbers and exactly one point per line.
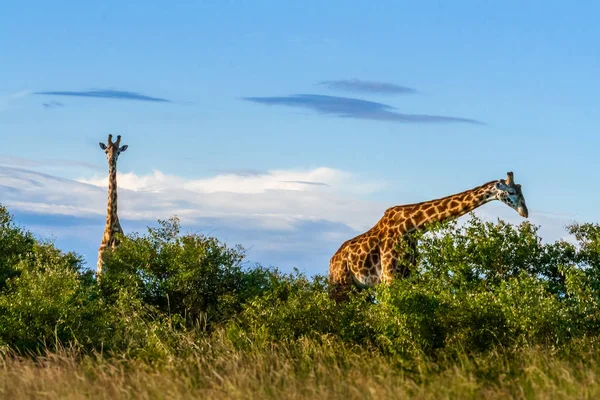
x=368, y=260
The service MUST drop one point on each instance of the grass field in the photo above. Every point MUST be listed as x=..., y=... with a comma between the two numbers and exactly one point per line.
x=304, y=370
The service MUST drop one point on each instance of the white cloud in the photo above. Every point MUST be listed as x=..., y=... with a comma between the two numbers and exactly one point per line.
x=275, y=199
x=8, y=100
x=295, y=180
x=37, y=192
x=54, y=163
x=286, y=217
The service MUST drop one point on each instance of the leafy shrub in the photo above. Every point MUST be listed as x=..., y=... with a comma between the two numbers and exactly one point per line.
x=194, y=277
x=482, y=254
x=297, y=307
x=477, y=286
x=588, y=236
x=15, y=244
x=48, y=299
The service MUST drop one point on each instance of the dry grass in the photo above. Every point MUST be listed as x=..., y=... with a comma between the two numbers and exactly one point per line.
x=304, y=370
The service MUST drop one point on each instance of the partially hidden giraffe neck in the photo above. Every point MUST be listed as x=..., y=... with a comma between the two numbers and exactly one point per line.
x=112, y=219
x=112, y=229
x=416, y=216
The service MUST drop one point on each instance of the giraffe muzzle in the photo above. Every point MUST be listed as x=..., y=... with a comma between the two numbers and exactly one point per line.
x=523, y=212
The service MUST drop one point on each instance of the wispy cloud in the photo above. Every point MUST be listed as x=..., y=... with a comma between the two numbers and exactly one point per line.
x=20, y=162
x=240, y=172
x=308, y=183
x=280, y=218
x=106, y=94
x=53, y=104
x=294, y=181
x=256, y=173
x=278, y=198
x=347, y=107
x=357, y=85
x=276, y=215
x=8, y=100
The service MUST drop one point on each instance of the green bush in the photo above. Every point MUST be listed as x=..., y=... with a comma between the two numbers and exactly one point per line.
x=296, y=307
x=193, y=278
x=48, y=300
x=15, y=244
x=482, y=254
x=476, y=286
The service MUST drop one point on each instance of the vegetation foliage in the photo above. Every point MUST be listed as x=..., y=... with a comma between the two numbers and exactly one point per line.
x=483, y=298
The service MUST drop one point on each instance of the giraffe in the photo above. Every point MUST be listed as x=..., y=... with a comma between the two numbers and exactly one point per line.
x=113, y=226
x=374, y=257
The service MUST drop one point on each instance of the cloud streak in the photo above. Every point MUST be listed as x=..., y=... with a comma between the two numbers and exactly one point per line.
x=357, y=85
x=280, y=218
x=7, y=101
x=106, y=94
x=308, y=183
x=19, y=162
x=52, y=104
x=347, y=107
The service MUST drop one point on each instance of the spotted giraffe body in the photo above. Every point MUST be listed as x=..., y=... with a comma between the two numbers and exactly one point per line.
x=387, y=250
x=113, y=226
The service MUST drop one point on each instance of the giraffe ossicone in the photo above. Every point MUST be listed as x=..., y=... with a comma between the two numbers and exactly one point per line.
x=112, y=227
x=374, y=256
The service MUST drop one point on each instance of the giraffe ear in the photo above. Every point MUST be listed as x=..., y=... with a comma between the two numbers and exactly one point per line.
x=123, y=148
x=102, y=146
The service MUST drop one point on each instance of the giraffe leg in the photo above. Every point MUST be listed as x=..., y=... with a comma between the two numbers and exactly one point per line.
x=408, y=260
x=388, y=261
x=99, y=263
x=398, y=259
x=340, y=280
x=339, y=292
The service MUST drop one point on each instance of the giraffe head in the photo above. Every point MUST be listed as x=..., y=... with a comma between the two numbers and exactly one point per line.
x=510, y=194
x=113, y=150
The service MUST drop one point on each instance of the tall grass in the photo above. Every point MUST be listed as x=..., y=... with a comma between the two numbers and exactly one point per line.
x=303, y=370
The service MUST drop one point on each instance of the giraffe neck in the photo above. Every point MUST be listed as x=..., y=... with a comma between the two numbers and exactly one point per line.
x=112, y=219
x=419, y=215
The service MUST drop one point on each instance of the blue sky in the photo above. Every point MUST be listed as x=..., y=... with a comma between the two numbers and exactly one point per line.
x=289, y=127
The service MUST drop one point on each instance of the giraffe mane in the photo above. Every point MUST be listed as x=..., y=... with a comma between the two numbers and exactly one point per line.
x=452, y=195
